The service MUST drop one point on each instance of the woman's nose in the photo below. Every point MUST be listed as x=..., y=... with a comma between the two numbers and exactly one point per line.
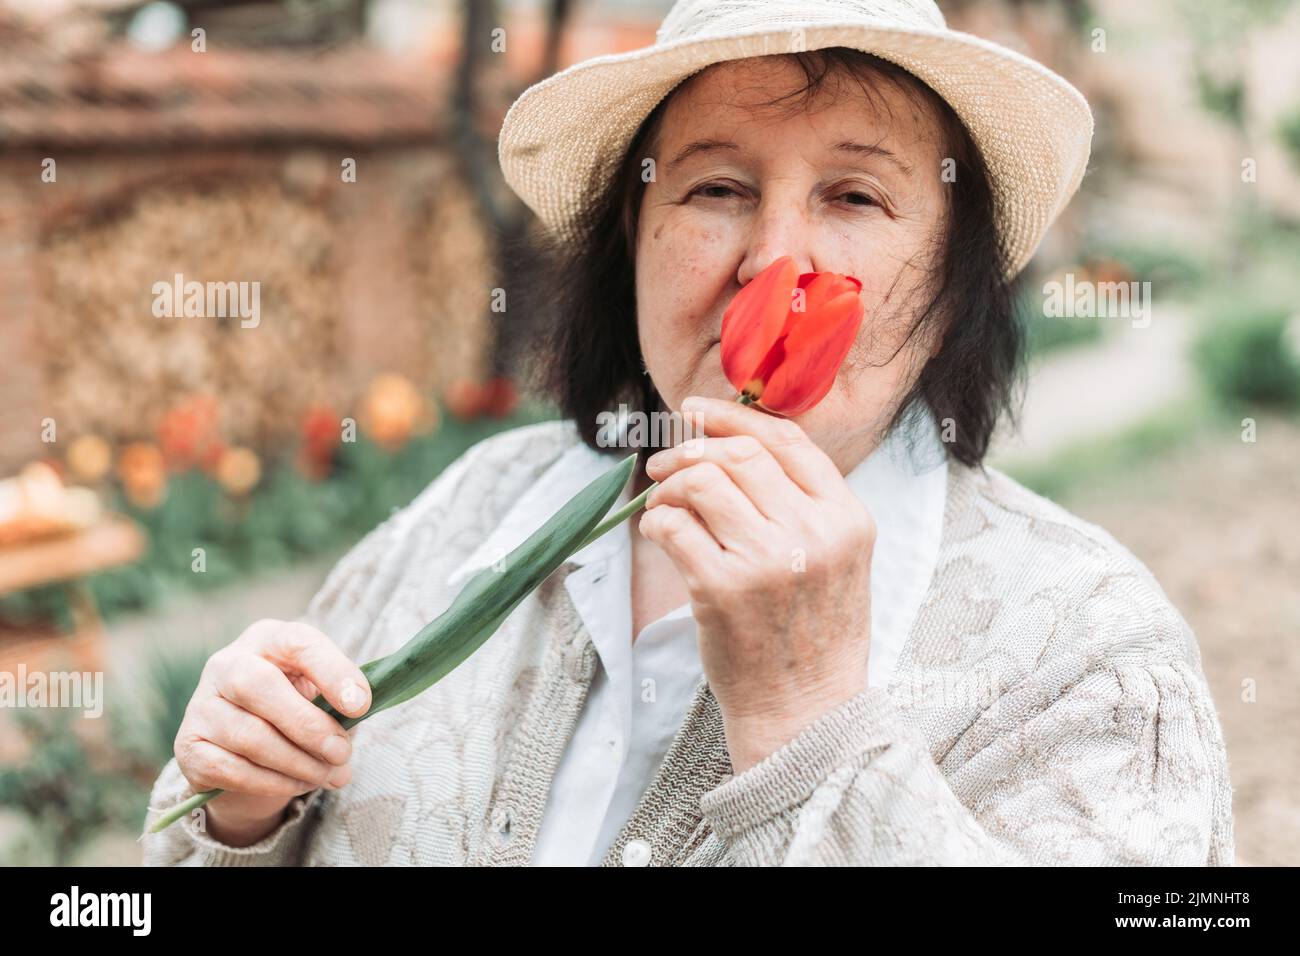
x=778, y=228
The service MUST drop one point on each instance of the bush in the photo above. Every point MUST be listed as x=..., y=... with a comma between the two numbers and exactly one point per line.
x=1246, y=357
x=1045, y=333
x=62, y=789
x=1289, y=133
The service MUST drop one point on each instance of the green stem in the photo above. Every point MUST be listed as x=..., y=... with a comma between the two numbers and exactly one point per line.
x=637, y=503
x=184, y=809
x=618, y=517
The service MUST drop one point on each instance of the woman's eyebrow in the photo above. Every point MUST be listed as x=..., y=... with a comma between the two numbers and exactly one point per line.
x=700, y=146
x=850, y=146
x=861, y=149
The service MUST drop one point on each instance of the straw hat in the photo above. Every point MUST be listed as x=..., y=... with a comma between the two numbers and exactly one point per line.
x=565, y=136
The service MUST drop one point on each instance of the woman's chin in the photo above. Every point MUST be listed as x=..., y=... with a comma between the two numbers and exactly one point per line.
x=706, y=386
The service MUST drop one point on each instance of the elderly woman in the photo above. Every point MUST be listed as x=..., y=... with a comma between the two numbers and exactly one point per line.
x=832, y=638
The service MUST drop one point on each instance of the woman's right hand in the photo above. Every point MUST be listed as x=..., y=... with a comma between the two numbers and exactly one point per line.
x=252, y=730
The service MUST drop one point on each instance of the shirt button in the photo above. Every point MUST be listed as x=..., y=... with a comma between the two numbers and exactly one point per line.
x=636, y=853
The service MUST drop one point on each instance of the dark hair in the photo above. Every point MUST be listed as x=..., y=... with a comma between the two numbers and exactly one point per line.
x=592, y=361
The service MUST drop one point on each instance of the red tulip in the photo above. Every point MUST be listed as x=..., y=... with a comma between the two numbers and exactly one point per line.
x=322, y=432
x=501, y=397
x=190, y=432
x=465, y=398
x=784, y=354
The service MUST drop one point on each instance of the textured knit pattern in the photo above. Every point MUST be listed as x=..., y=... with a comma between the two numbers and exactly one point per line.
x=1049, y=707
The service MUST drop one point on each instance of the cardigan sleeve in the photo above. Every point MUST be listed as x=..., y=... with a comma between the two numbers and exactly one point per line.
x=1113, y=759
x=187, y=842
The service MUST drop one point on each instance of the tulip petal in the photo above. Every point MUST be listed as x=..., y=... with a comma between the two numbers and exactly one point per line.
x=755, y=320
x=812, y=352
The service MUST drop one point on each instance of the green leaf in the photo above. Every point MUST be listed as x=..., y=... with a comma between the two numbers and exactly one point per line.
x=475, y=614
x=487, y=599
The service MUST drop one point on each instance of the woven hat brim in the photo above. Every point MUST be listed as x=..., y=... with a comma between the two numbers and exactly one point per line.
x=563, y=137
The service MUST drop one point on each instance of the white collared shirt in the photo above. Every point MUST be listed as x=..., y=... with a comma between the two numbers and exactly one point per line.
x=641, y=690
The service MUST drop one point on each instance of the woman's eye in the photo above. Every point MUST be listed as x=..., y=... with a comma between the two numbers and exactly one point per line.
x=718, y=190
x=859, y=199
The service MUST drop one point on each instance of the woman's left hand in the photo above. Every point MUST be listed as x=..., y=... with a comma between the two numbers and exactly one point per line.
x=775, y=550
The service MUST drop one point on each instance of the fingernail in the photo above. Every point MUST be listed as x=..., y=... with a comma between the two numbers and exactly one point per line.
x=336, y=749
x=353, y=696
x=690, y=403
x=338, y=778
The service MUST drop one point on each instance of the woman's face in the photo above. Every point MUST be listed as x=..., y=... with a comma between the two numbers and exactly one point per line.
x=852, y=185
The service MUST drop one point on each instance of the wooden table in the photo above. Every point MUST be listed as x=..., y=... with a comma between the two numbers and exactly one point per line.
x=66, y=559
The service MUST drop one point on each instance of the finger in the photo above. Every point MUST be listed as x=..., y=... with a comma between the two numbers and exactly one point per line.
x=258, y=686
x=709, y=491
x=300, y=648
x=749, y=464
x=248, y=735
x=806, y=464
x=686, y=541
x=215, y=767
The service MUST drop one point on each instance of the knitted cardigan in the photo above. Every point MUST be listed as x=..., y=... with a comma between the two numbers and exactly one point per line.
x=1048, y=707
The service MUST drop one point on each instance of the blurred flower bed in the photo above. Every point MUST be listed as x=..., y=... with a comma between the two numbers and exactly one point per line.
x=78, y=792
x=215, y=512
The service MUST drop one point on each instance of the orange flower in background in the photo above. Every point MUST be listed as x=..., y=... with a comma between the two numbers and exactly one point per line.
x=1104, y=270
x=322, y=431
x=144, y=475
x=189, y=434
x=239, y=470
x=394, y=409
x=90, y=458
x=784, y=350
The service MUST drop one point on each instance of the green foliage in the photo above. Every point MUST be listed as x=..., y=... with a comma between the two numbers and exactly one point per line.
x=62, y=791
x=1044, y=333
x=1171, y=269
x=147, y=730
x=1224, y=97
x=1245, y=357
x=1220, y=34
x=1289, y=133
